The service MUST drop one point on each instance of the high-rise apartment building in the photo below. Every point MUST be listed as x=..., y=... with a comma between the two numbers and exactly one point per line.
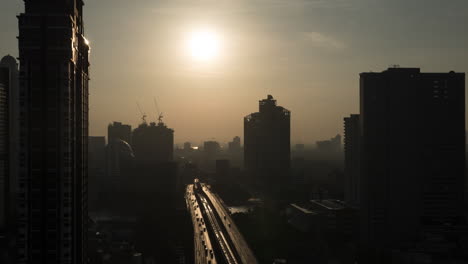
x=153, y=142
x=267, y=146
x=52, y=200
x=96, y=171
x=235, y=145
x=413, y=156
x=8, y=148
x=117, y=130
x=211, y=148
x=352, y=159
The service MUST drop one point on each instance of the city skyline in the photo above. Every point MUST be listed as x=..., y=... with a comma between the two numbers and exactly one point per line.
x=92, y=123
x=292, y=50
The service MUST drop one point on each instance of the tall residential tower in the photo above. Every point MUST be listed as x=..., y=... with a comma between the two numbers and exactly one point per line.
x=413, y=157
x=8, y=149
x=52, y=201
x=267, y=143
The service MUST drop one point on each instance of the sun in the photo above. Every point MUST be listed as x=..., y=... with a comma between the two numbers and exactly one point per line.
x=204, y=45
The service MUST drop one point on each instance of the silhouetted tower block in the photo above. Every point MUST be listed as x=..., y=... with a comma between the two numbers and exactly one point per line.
x=153, y=143
x=352, y=159
x=267, y=149
x=120, y=175
x=52, y=201
x=96, y=170
x=117, y=130
x=235, y=145
x=187, y=147
x=413, y=154
x=9, y=115
x=211, y=148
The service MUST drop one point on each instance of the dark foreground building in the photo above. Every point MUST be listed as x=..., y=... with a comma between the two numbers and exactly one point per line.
x=413, y=160
x=52, y=201
x=8, y=151
x=267, y=146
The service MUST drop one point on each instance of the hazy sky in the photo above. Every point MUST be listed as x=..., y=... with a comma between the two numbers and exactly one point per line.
x=307, y=53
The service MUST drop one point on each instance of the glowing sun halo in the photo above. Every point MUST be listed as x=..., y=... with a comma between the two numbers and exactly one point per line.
x=204, y=45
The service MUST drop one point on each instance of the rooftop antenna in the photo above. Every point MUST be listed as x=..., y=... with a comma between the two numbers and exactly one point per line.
x=143, y=115
x=160, y=115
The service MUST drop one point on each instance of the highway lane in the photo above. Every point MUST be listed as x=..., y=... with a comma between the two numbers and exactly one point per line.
x=204, y=249
x=215, y=230
x=220, y=234
x=243, y=252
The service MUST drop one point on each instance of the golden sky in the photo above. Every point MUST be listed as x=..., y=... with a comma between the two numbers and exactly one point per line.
x=307, y=53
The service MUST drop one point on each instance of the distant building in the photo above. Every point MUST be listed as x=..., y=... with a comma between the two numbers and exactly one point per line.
x=52, y=199
x=96, y=170
x=211, y=148
x=96, y=150
x=187, y=146
x=413, y=157
x=332, y=145
x=352, y=159
x=120, y=177
x=9, y=131
x=235, y=145
x=153, y=143
x=117, y=130
x=155, y=172
x=267, y=147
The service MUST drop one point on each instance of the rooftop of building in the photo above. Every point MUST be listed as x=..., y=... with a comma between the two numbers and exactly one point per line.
x=330, y=204
x=396, y=69
x=9, y=60
x=302, y=209
x=314, y=207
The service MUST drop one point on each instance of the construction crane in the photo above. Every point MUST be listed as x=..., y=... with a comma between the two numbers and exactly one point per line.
x=160, y=115
x=143, y=115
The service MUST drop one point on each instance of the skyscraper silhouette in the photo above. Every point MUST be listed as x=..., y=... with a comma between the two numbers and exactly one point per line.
x=117, y=130
x=413, y=157
x=8, y=148
x=267, y=144
x=352, y=159
x=52, y=199
x=153, y=143
x=235, y=145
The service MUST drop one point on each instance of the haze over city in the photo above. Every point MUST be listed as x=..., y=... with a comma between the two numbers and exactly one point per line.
x=306, y=53
x=233, y=132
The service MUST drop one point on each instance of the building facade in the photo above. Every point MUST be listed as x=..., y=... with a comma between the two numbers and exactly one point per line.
x=153, y=142
x=235, y=145
x=413, y=156
x=267, y=144
x=96, y=171
x=117, y=130
x=52, y=199
x=8, y=148
x=352, y=160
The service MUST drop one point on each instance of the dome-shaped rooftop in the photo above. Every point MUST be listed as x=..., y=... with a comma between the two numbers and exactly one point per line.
x=122, y=147
x=8, y=60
